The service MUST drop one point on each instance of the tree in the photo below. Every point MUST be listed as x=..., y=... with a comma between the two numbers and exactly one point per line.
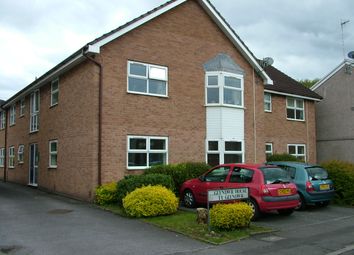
x=308, y=83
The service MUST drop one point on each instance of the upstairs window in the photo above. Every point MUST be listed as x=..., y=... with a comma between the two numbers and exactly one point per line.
x=11, y=157
x=34, y=110
x=12, y=115
x=147, y=79
x=295, y=109
x=54, y=92
x=22, y=107
x=144, y=151
x=2, y=157
x=2, y=119
x=20, y=153
x=267, y=102
x=224, y=89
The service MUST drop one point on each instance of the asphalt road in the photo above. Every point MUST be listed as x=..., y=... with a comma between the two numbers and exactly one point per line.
x=34, y=222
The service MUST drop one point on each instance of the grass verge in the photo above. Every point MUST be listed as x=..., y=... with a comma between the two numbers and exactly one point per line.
x=184, y=222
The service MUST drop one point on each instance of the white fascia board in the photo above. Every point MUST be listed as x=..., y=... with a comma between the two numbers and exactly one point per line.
x=78, y=59
x=328, y=76
x=291, y=95
x=138, y=23
x=239, y=45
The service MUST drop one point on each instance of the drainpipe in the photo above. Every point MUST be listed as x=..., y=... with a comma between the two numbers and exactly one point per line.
x=100, y=83
x=254, y=116
x=5, y=154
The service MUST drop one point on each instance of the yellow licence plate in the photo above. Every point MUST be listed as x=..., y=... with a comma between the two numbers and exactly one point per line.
x=282, y=192
x=324, y=187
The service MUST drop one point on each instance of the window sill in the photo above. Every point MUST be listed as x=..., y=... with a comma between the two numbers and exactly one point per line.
x=147, y=94
x=12, y=125
x=21, y=116
x=52, y=167
x=225, y=105
x=295, y=120
x=11, y=167
x=268, y=111
x=52, y=106
x=33, y=132
x=20, y=163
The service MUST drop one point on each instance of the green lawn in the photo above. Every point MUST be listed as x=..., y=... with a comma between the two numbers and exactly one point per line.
x=184, y=222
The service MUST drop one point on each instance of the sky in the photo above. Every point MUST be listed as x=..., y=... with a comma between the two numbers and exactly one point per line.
x=303, y=37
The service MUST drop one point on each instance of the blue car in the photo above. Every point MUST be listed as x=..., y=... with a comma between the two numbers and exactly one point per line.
x=312, y=182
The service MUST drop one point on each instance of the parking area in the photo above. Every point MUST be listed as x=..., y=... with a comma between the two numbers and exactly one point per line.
x=34, y=222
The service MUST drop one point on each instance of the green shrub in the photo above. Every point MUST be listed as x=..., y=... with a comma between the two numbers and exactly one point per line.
x=342, y=174
x=150, y=201
x=180, y=172
x=106, y=194
x=230, y=216
x=282, y=157
x=131, y=182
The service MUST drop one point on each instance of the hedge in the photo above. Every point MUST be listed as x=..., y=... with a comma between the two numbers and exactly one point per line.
x=131, y=182
x=342, y=174
x=180, y=172
x=282, y=157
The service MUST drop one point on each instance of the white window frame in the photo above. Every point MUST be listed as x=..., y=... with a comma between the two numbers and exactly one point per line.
x=148, y=151
x=269, y=152
x=222, y=150
x=20, y=154
x=295, y=108
x=2, y=120
x=53, y=153
x=22, y=107
x=55, y=91
x=297, y=154
x=221, y=86
x=2, y=157
x=147, y=78
x=12, y=157
x=34, y=113
x=12, y=116
x=267, y=102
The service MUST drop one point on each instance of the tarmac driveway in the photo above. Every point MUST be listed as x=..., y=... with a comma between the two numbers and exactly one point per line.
x=34, y=222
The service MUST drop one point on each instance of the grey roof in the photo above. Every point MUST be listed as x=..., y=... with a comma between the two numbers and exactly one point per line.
x=223, y=62
x=2, y=102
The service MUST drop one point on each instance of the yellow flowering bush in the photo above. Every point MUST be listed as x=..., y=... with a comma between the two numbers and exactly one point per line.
x=150, y=201
x=230, y=216
x=106, y=194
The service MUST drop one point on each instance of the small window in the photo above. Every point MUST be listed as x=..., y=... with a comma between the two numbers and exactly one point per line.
x=20, y=154
x=224, y=152
x=34, y=111
x=53, y=154
x=213, y=157
x=267, y=102
x=54, y=98
x=233, y=152
x=2, y=119
x=218, y=174
x=22, y=107
x=2, y=157
x=144, y=151
x=12, y=157
x=268, y=149
x=147, y=79
x=12, y=115
x=297, y=150
x=295, y=109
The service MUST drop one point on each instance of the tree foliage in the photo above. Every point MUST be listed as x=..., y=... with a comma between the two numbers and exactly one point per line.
x=308, y=83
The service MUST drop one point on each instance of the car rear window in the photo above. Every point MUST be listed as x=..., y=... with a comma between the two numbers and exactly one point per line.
x=317, y=173
x=273, y=175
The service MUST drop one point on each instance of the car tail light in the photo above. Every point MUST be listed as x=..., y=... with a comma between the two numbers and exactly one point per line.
x=309, y=186
x=265, y=190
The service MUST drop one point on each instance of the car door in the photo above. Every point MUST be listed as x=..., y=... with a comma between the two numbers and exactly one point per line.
x=214, y=179
x=241, y=178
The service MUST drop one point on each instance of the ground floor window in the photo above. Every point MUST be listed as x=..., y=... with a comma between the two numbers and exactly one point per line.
x=297, y=150
x=223, y=152
x=268, y=149
x=20, y=153
x=12, y=157
x=53, y=153
x=2, y=157
x=146, y=151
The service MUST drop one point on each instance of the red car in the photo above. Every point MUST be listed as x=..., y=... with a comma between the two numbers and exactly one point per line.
x=269, y=187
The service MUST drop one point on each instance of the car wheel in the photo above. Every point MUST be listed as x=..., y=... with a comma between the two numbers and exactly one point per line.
x=256, y=213
x=285, y=212
x=188, y=199
x=302, y=205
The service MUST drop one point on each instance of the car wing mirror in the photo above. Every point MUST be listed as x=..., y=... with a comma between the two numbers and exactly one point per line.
x=202, y=178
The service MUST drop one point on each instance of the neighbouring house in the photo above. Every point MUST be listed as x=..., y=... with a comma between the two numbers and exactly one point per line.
x=176, y=84
x=335, y=114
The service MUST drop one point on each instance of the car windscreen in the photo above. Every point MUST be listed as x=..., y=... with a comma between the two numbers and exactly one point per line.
x=273, y=175
x=317, y=173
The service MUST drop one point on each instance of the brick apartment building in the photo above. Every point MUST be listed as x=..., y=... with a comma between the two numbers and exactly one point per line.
x=173, y=85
